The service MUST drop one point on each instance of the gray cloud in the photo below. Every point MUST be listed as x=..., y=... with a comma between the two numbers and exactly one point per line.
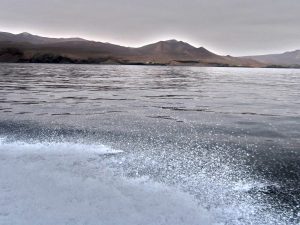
x=237, y=27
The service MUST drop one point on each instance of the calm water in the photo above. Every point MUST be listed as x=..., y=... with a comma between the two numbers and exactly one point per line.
x=229, y=137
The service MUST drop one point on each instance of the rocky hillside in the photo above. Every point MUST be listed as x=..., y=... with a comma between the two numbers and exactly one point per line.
x=30, y=48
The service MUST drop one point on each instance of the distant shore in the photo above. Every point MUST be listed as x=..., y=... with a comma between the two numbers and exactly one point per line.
x=145, y=64
x=28, y=48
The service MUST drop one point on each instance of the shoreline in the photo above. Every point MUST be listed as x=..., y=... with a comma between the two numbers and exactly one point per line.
x=145, y=64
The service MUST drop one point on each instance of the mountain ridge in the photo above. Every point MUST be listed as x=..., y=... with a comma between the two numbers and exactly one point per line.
x=26, y=47
x=33, y=39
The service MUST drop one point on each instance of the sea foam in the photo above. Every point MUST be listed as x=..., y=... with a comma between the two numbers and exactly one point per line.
x=67, y=183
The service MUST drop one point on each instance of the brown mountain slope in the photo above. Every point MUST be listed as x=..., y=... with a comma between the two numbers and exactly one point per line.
x=171, y=50
x=25, y=47
x=175, y=52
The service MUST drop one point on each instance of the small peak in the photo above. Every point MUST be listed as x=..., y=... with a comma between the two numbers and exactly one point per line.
x=25, y=34
x=172, y=41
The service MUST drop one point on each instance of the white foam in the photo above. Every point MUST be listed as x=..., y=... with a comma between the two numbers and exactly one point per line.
x=37, y=188
x=55, y=147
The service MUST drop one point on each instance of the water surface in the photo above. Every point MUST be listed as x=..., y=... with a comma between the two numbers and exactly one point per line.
x=227, y=137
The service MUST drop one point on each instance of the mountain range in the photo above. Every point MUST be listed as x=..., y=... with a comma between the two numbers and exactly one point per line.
x=286, y=59
x=25, y=47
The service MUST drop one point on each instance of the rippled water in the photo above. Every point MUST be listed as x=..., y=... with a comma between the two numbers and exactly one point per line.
x=227, y=137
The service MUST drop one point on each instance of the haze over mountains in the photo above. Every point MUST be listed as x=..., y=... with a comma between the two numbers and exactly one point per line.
x=25, y=47
x=289, y=59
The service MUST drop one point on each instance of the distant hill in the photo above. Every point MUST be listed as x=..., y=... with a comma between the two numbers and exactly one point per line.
x=25, y=47
x=287, y=59
x=33, y=39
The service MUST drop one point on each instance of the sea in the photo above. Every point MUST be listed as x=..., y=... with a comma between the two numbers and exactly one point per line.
x=149, y=145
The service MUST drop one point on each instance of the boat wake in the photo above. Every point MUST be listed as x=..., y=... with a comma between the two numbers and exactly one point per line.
x=68, y=183
x=79, y=183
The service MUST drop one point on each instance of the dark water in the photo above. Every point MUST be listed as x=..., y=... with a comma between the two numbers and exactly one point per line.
x=230, y=137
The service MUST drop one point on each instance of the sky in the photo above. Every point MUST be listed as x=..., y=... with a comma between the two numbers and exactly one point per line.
x=234, y=27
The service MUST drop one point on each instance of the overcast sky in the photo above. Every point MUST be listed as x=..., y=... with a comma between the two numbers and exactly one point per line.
x=235, y=27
